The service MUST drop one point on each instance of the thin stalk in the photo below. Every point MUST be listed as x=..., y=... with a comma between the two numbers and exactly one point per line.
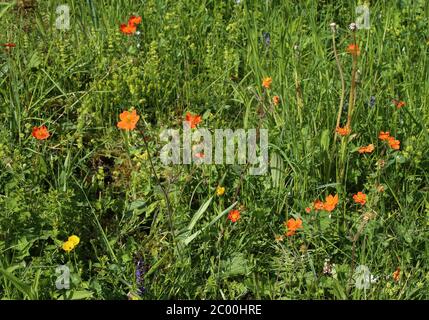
x=361, y=228
x=343, y=154
x=353, y=88
x=164, y=192
x=298, y=91
x=298, y=88
x=343, y=84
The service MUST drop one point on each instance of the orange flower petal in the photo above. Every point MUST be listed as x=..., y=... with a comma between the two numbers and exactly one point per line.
x=134, y=20
x=128, y=120
x=276, y=100
x=292, y=225
x=360, y=198
x=393, y=143
x=318, y=205
x=266, y=82
x=234, y=215
x=128, y=29
x=384, y=135
x=330, y=203
x=193, y=120
x=343, y=131
x=353, y=49
x=40, y=133
x=368, y=149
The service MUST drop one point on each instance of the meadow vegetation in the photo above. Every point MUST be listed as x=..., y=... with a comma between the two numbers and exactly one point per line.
x=82, y=184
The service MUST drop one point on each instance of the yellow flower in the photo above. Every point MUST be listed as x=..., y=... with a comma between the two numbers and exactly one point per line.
x=220, y=191
x=68, y=246
x=74, y=239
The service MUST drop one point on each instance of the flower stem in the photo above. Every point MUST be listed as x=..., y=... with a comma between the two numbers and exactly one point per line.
x=343, y=85
x=164, y=192
x=353, y=88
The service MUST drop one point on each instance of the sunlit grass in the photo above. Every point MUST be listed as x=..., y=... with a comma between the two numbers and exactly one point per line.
x=210, y=58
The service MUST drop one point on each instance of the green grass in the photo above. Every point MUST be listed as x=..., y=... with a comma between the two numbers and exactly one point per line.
x=208, y=57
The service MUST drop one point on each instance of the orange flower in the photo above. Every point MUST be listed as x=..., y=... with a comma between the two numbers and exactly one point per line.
x=266, y=82
x=360, y=198
x=397, y=274
x=292, y=225
x=276, y=100
x=368, y=149
x=384, y=135
x=9, y=45
x=128, y=28
x=393, y=143
x=131, y=27
x=193, y=120
x=353, y=49
x=318, y=205
x=128, y=120
x=133, y=21
x=308, y=209
x=330, y=203
x=398, y=104
x=343, y=131
x=234, y=215
x=40, y=133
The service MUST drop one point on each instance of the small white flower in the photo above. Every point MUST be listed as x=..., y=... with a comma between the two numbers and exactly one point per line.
x=138, y=33
x=328, y=267
x=333, y=26
x=352, y=26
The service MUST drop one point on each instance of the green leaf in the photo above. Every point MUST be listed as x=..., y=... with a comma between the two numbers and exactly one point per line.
x=199, y=214
x=325, y=221
x=324, y=140
x=35, y=61
x=7, y=6
x=76, y=295
x=277, y=169
x=21, y=286
x=82, y=294
x=235, y=265
x=137, y=207
x=185, y=238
